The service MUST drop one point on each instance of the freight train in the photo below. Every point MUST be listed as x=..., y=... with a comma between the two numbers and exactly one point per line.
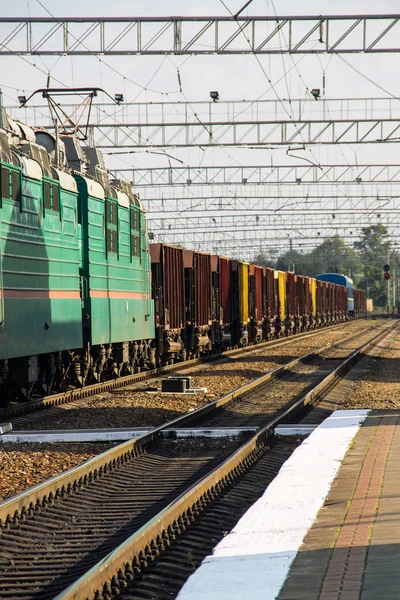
x=83, y=298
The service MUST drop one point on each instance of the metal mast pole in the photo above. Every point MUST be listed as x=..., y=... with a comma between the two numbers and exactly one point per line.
x=388, y=291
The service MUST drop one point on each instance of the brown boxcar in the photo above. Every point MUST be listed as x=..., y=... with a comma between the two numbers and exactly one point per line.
x=345, y=302
x=320, y=301
x=255, y=292
x=356, y=297
x=307, y=312
x=330, y=302
x=222, y=301
x=225, y=286
x=291, y=308
x=269, y=302
x=198, y=301
x=256, y=304
x=304, y=302
x=167, y=285
x=359, y=302
x=169, y=302
x=269, y=294
x=197, y=267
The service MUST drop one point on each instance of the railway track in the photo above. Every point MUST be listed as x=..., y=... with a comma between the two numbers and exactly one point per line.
x=172, y=567
x=58, y=530
x=280, y=388
x=54, y=400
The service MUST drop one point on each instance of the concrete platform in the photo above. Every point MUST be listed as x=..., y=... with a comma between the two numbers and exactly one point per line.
x=352, y=551
x=254, y=560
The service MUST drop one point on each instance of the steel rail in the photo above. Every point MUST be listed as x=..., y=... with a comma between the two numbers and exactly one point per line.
x=112, y=574
x=60, y=398
x=23, y=505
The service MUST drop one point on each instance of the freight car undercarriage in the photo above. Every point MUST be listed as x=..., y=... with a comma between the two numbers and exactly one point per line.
x=22, y=379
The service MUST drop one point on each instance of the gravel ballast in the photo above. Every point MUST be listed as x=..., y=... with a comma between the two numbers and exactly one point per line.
x=133, y=406
x=24, y=465
x=380, y=389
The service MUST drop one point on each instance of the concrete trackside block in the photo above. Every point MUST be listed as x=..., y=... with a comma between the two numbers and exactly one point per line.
x=5, y=428
x=252, y=562
x=190, y=392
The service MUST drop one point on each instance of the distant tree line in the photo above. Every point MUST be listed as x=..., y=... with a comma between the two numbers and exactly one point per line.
x=363, y=262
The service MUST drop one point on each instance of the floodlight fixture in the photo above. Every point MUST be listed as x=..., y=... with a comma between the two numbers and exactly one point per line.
x=316, y=92
x=215, y=96
x=22, y=100
x=118, y=98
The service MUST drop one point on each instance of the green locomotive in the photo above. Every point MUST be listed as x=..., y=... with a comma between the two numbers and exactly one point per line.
x=75, y=283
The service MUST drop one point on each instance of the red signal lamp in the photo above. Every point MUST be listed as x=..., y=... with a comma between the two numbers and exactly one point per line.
x=386, y=275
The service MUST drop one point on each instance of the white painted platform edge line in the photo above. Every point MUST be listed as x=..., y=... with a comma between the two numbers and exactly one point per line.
x=240, y=568
x=69, y=436
x=293, y=430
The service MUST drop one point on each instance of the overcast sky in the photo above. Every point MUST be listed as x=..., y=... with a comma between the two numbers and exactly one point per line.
x=154, y=79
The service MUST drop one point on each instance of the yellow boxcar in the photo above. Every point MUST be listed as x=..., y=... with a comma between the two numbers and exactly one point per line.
x=280, y=277
x=313, y=286
x=243, y=269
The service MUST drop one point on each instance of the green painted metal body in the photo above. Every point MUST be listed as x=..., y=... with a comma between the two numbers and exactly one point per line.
x=40, y=258
x=60, y=287
x=117, y=303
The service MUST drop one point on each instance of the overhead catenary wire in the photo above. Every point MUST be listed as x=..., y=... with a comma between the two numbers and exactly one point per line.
x=79, y=40
x=286, y=72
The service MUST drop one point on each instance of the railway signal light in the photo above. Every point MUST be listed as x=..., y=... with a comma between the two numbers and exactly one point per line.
x=386, y=274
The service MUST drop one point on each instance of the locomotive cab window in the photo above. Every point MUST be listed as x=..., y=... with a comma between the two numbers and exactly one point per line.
x=135, y=232
x=111, y=212
x=51, y=196
x=5, y=183
x=10, y=184
x=111, y=226
x=16, y=186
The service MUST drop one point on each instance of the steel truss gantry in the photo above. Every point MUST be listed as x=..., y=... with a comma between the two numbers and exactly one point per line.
x=293, y=199
x=230, y=228
x=331, y=34
x=218, y=227
x=260, y=175
x=257, y=123
x=246, y=244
